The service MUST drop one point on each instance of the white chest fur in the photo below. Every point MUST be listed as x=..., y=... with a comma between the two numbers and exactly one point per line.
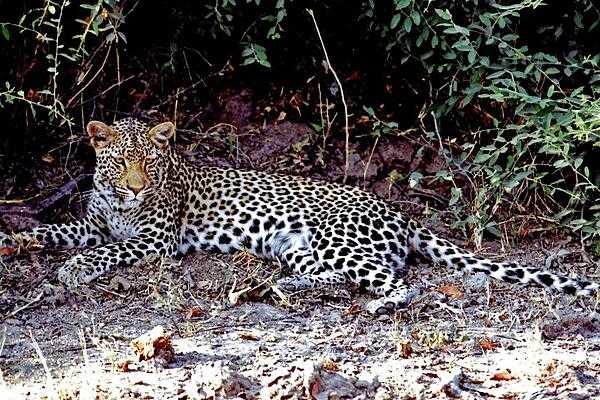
x=120, y=226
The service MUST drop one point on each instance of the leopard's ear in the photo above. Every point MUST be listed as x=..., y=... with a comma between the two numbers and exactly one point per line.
x=100, y=134
x=161, y=133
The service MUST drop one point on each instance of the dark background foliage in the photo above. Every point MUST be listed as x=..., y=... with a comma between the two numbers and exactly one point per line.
x=507, y=94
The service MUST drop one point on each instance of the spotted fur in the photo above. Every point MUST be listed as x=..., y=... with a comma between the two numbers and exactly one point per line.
x=147, y=200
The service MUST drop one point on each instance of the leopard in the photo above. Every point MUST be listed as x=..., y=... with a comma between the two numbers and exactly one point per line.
x=149, y=200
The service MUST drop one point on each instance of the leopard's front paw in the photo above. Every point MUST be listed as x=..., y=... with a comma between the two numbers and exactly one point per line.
x=397, y=300
x=77, y=271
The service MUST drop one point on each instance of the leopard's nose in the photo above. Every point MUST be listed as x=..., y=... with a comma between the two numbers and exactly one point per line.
x=136, y=183
x=135, y=178
x=135, y=188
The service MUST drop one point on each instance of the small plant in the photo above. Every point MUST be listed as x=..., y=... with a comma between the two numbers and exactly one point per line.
x=47, y=26
x=254, y=53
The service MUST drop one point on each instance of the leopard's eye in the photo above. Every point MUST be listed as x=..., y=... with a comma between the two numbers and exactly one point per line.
x=121, y=161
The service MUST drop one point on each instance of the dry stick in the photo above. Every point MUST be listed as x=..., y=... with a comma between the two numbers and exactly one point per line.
x=56, y=54
x=192, y=86
x=3, y=342
x=93, y=77
x=339, y=83
x=42, y=359
x=369, y=162
x=119, y=83
x=29, y=304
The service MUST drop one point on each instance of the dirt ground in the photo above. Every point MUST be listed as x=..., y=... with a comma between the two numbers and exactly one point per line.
x=234, y=336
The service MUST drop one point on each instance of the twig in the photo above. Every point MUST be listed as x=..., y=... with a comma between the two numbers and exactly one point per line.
x=119, y=83
x=192, y=86
x=339, y=83
x=93, y=77
x=37, y=299
x=56, y=54
x=38, y=350
x=3, y=342
x=369, y=161
x=106, y=290
x=49, y=201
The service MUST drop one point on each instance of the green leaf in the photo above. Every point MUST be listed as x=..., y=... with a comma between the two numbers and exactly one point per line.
x=481, y=158
x=485, y=19
x=528, y=68
x=578, y=19
x=395, y=21
x=5, y=32
x=561, y=163
x=407, y=24
x=493, y=229
x=512, y=183
x=264, y=63
x=456, y=195
x=471, y=56
x=416, y=17
x=400, y=4
x=443, y=14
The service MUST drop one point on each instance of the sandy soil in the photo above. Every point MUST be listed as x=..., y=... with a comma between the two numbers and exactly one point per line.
x=234, y=336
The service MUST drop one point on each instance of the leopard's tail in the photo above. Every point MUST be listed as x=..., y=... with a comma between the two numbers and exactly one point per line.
x=442, y=251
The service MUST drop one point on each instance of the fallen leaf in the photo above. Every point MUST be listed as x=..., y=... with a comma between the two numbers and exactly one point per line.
x=330, y=365
x=32, y=94
x=504, y=375
x=119, y=284
x=49, y=158
x=123, y=365
x=354, y=76
x=315, y=388
x=7, y=251
x=247, y=336
x=451, y=291
x=194, y=312
x=353, y=309
x=488, y=344
x=405, y=350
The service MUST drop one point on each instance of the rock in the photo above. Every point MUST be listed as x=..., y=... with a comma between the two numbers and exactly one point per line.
x=475, y=281
x=396, y=152
x=306, y=379
x=571, y=326
x=217, y=380
x=367, y=380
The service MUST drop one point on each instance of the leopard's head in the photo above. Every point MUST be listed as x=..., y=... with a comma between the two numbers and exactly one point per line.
x=132, y=159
